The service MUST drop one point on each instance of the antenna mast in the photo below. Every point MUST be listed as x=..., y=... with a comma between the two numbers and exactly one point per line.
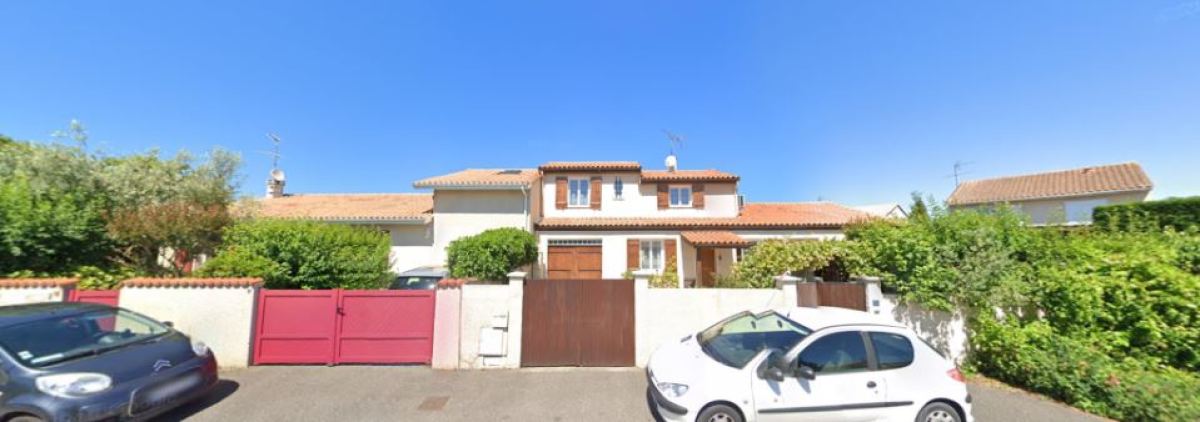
x=959, y=170
x=274, y=151
x=673, y=141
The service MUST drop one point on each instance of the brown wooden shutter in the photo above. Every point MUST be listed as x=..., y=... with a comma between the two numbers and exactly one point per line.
x=594, y=191
x=560, y=193
x=669, y=254
x=663, y=197
x=697, y=195
x=633, y=254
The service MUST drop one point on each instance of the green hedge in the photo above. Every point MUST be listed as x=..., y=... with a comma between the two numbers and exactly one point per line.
x=1075, y=371
x=1177, y=213
x=492, y=254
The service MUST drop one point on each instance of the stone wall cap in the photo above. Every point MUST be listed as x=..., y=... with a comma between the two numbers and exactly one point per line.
x=16, y=283
x=193, y=282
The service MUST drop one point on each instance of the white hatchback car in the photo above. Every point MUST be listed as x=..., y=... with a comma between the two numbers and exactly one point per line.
x=812, y=364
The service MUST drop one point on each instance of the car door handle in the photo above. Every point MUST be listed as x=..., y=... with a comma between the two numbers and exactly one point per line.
x=871, y=384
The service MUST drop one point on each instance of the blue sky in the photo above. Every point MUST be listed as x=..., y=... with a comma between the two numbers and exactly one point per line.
x=855, y=102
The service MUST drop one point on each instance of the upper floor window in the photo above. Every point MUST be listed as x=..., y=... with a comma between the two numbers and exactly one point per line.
x=618, y=189
x=580, y=195
x=681, y=196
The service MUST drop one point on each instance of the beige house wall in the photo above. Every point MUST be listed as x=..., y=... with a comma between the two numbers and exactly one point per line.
x=638, y=199
x=1053, y=210
x=458, y=213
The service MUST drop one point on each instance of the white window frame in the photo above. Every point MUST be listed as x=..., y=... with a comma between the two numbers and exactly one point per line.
x=584, y=198
x=679, y=188
x=647, y=259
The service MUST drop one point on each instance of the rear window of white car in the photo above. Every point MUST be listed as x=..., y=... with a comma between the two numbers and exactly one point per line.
x=892, y=350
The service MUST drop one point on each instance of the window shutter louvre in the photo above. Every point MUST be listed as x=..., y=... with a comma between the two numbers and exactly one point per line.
x=560, y=193
x=669, y=254
x=697, y=195
x=633, y=254
x=663, y=200
x=594, y=191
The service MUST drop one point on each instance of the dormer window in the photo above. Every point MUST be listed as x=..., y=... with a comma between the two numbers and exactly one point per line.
x=618, y=188
x=579, y=196
x=681, y=196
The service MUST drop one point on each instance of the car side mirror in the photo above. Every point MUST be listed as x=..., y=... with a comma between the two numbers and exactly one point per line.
x=169, y=324
x=773, y=368
x=806, y=372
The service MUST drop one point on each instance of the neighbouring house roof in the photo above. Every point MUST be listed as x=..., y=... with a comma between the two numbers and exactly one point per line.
x=482, y=178
x=192, y=282
x=715, y=238
x=688, y=176
x=892, y=210
x=12, y=283
x=1125, y=177
x=799, y=215
x=376, y=207
x=559, y=166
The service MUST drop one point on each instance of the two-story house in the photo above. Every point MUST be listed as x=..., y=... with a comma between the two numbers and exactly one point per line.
x=592, y=219
x=1064, y=197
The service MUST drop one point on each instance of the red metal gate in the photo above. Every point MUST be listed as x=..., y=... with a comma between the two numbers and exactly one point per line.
x=344, y=326
x=104, y=297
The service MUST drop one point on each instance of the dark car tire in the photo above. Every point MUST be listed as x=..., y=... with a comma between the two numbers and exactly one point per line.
x=719, y=413
x=938, y=412
x=24, y=418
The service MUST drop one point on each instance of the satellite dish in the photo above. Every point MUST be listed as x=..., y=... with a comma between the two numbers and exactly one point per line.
x=671, y=162
x=277, y=175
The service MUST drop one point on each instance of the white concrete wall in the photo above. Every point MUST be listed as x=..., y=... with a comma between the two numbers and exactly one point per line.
x=612, y=247
x=447, y=326
x=638, y=200
x=946, y=331
x=481, y=304
x=1053, y=211
x=22, y=295
x=412, y=246
x=221, y=317
x=667, y=315
x=458, y=213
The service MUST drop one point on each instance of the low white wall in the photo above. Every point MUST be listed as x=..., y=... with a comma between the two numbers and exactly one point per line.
x=666, y=315
x=946, y=331
x=22, y=295
x=447, y=327
x=486, y=307
x=221, y=317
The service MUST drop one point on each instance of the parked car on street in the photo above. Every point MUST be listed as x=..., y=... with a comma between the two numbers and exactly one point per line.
x=90, y=362
x=812, y=364
x=420, y=278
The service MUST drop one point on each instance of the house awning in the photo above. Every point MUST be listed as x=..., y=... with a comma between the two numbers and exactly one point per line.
x=716, y=239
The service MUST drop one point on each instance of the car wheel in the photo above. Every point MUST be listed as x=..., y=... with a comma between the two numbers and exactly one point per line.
x=938, y=412
x=719, y=413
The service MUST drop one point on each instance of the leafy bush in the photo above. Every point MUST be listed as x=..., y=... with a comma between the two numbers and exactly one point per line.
x=492, y=254
x=772, y=258
x=303, y=255
x=1033, y=356
x=1176, y=213
x=48, y=232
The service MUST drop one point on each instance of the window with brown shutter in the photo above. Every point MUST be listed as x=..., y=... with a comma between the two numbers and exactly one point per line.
x=669, y=254
x=697, y=195
x=663, y=196
x=631, y=254
x=595, y=193
x=560, y=193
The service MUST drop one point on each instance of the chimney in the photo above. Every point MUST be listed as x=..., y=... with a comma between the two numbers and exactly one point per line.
x=275, y=184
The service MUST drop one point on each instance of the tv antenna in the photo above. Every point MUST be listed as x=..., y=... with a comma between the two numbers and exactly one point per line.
x=959, y=170
x=673, y=140
x=274, y=152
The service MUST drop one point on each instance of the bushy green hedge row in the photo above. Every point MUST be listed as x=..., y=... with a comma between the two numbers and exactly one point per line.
x=1177, y=213
x=1035, y=357
x=492, y=254
x=303, y=255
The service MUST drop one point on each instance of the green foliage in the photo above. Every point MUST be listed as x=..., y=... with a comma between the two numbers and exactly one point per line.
x=1176, y=213
x=669, y=278
x=772, y=258
x=48, y=231
x=1078, y=372
x=303, y=255
x=492, y=254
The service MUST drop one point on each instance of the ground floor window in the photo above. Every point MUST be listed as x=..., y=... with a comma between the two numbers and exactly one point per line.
x=651, y=256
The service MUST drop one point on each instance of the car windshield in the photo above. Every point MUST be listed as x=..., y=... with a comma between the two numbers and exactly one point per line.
x=739, y=338
x=414, y=283
x=61, y=338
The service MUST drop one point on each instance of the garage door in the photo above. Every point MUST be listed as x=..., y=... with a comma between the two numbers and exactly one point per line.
x=577, y=260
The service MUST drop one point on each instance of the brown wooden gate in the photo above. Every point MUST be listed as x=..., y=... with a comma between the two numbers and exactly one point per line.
x=844, y=295
x=578, y=323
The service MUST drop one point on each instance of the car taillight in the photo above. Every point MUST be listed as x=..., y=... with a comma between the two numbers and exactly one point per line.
x=953, y=373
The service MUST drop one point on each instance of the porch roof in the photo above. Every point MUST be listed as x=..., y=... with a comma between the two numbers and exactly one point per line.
x=716, y=238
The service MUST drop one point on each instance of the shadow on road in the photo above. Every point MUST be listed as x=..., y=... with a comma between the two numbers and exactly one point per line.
x=223, y=389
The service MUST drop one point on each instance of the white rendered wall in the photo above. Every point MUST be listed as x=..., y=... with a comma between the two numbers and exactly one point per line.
x=412, y=246
x=22, y=295
x=946, y=331
x=638, y=200
x=464, y=213
x=221, y=317
x=480, y=306
x=667, y=315
x=613, y=247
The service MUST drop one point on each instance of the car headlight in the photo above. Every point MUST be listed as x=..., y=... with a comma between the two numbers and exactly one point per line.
x=73, y=384
x=672, y=390
x=199, y=347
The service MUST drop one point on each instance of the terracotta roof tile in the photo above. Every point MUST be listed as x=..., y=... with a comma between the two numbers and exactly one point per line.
x=383, y=207
x=481, y=178
x=192, y=282
x=801, y=215
x=16, y=283
x=715, y=238
x=590, y=166
x=1125, y=177
x=688, y=176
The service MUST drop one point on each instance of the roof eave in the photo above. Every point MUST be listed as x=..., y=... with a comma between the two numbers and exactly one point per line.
x=474, y=186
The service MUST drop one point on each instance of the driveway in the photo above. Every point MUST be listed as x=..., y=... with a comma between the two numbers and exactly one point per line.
x=367, y=393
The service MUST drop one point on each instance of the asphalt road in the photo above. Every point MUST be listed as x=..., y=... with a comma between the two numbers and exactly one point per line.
x=369, y=393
